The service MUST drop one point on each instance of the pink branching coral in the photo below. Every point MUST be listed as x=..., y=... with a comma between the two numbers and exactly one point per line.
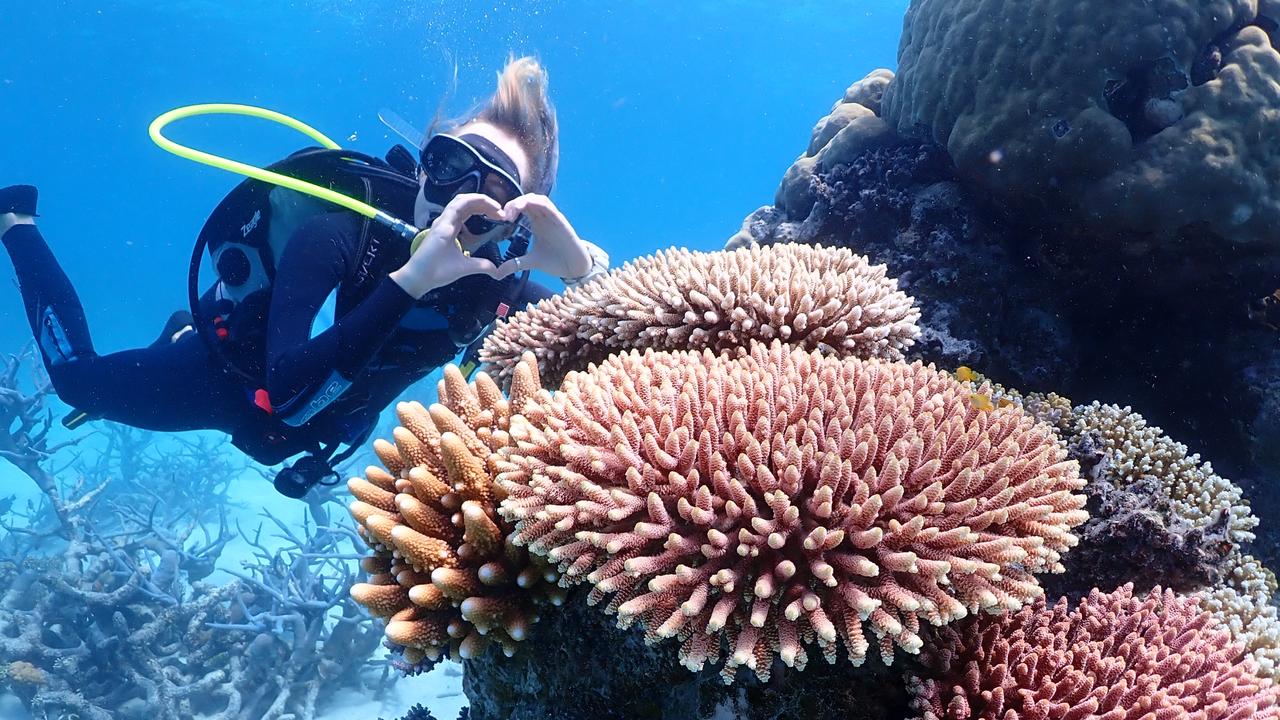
x=443, y=570
x=680, y=300
x=1114, y=657
x=779, y=496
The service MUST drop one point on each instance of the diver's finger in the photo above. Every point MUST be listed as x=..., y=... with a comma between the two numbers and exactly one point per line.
x=479, y=266
x=526, y=203
x=467, y=204
x=510, y=267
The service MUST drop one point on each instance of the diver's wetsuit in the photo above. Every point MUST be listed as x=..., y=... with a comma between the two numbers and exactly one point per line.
x=381, y=342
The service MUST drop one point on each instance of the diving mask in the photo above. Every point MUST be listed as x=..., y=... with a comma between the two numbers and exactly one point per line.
x=468, y=164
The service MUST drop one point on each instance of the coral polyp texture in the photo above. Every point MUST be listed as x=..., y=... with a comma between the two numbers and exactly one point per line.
x=753, y=504
x=1134, y=449
x=682, y=300
x=1245, y=604
x=1115, y=655
x=1152, y=116
x=443, y=571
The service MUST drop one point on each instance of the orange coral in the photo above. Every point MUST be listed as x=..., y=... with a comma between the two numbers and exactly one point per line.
x=1114, y=656
x=806, y=295
x=442, y=570
x=784, y=496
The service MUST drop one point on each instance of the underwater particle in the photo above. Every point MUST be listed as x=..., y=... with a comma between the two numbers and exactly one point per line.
x=765, y=503
x=442, y=571
x=682, y=300
x=1134, y=449
x=1113, y=656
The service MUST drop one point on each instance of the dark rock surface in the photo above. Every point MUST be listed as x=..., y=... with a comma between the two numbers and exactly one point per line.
x=1177, y=328
x=578, y=666
x=1130, y=538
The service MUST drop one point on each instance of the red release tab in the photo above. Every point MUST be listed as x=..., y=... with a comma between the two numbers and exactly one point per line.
x=503, y=309
x=221, y=333
x=261, y=399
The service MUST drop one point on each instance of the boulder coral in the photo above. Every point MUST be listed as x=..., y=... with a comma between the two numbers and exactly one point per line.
x=681, y=300
x=443, y=571
x=1148, y=116
x=851, y=128
x=763, y=501
x=1115, y=655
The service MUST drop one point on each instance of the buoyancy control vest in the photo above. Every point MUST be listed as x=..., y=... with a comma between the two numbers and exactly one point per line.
x=245, y=237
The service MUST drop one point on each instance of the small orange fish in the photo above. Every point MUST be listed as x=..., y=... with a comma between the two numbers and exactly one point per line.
x=964, y=373
x=981, y=402
x=1004, y=402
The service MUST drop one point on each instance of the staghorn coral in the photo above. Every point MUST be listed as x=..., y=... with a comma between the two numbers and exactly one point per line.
x=1151, y=116
x=783, y=496
x=1132, y=449
x=1245, y=604
x=106, y=612
x=682, y=300
x=443, y=572
x=1113, y=656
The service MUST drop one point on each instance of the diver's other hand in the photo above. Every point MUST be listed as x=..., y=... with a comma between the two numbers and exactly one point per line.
x=557, y=249
x=439, y=259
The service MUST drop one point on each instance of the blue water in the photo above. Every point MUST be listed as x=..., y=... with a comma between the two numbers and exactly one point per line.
x=677, y=119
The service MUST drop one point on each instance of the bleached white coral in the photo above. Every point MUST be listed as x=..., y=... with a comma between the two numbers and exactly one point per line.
x=1136, y=449
x=1244, y=604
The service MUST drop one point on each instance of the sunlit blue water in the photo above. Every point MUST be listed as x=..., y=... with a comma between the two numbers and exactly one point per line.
x=677, y=119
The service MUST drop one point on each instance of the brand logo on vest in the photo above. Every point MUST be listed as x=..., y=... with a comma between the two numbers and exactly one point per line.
x=253, y=223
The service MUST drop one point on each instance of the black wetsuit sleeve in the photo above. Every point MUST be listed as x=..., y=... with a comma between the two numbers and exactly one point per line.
x=533, y=292
x=316, y=260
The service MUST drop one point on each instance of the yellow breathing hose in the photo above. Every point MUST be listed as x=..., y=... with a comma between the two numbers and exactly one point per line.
x=404, y=229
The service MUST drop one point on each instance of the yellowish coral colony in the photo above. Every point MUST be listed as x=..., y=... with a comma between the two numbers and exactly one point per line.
x=735, y=456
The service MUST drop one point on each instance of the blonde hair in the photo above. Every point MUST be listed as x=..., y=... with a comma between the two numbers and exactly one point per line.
x=522, y=106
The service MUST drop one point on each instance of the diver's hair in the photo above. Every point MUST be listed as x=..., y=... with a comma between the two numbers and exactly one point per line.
x=522, y=106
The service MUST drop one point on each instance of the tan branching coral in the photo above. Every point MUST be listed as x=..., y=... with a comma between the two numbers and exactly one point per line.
x=1135, y=449
x=1244, y=604
x=443, y=572
x=1114, y=656
x=770, y=499
x=680, y=300
x=23, y=672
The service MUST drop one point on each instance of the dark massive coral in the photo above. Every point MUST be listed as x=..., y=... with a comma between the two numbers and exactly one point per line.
x=1180, y=328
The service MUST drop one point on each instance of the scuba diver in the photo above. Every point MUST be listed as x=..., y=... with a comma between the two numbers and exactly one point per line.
x=254, y=367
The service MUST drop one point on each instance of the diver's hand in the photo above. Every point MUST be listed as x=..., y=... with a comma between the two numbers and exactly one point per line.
x=557, y=249
x=8, y=220
x=439, y=259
